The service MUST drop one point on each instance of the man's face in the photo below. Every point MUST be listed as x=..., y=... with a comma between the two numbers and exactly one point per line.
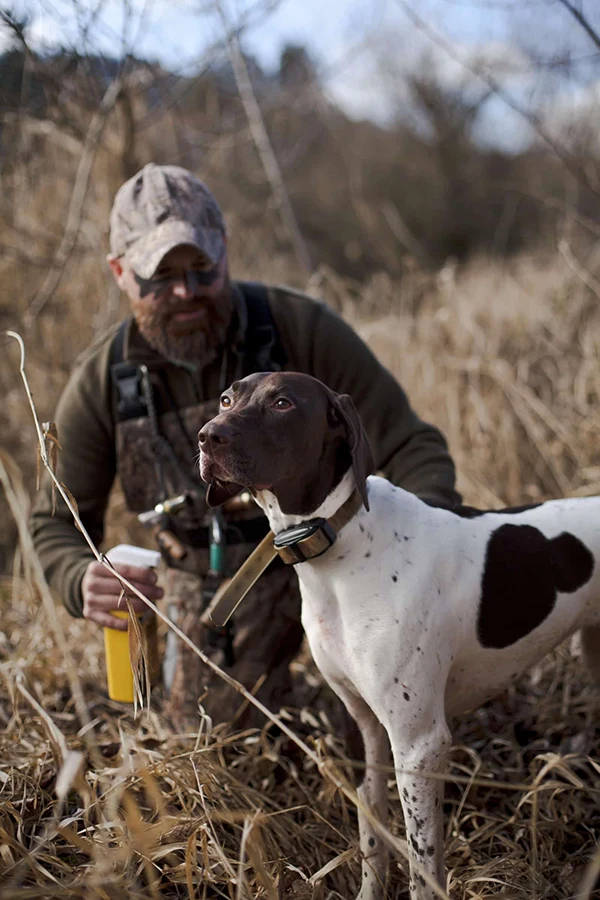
x=185, y=308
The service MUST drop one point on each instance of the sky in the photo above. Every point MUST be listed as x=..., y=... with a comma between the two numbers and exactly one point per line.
x=361, y=47
x=177, y=32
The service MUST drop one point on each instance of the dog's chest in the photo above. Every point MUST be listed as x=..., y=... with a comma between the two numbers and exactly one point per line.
x=359, y=628
x=326, y=632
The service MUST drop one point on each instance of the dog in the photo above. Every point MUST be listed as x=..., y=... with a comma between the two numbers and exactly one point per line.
x=413, y=613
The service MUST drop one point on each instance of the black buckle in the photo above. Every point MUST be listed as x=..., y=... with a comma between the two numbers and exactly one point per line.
x=306, y=541
x=126, y=379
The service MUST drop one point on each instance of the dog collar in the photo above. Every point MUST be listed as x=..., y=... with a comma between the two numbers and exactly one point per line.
x=296, y=544
x=314, y=538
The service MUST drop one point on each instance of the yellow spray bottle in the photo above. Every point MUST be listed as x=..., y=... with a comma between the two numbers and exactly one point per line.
x=116, y=643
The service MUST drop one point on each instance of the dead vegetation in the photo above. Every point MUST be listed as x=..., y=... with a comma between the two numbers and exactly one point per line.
x=500, y=350
x=505, y=360
x=243, y=815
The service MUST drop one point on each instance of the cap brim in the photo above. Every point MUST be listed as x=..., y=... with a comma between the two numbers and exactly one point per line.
x=145, y=255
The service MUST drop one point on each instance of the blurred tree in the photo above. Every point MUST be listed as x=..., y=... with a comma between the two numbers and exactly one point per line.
x=449, y=113
x=296, y=68
x=18, y=84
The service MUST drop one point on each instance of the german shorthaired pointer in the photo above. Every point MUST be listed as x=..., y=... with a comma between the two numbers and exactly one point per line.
x=413, y=613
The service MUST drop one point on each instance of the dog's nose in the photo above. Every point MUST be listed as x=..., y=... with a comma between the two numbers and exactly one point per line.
x=214, y=433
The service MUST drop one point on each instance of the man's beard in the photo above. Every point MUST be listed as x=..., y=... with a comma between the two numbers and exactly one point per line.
x=196, y=342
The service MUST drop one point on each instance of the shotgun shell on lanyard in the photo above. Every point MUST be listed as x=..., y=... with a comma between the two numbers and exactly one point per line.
x=119, y=673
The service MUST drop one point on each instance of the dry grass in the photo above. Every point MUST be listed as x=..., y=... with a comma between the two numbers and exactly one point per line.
x=505, y=360
x=243, y=815
x=503, y=357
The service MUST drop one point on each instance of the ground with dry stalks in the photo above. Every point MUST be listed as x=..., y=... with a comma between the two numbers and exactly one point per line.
x=505, y=359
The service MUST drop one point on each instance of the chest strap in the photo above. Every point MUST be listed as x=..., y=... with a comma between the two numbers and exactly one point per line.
x=296, y=544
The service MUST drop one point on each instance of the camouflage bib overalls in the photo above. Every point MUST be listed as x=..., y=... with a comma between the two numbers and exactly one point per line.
x=156, y=459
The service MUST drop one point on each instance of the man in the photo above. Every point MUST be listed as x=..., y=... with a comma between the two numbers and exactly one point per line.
x=135, y=403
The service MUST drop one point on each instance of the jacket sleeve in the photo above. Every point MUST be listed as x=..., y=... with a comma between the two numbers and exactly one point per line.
x=86, y=466
x=410, y=452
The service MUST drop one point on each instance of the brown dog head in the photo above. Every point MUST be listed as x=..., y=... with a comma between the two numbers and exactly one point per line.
x=289, y=433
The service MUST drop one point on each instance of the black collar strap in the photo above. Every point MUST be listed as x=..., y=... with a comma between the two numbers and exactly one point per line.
x=314, y=537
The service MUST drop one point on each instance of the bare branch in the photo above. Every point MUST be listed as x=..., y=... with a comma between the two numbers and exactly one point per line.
x=484, y=75
x=17, y=27
x=585, y=24
x=263, y=143
x=82, y=179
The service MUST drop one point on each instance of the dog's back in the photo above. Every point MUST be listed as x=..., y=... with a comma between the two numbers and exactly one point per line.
x=490, y=593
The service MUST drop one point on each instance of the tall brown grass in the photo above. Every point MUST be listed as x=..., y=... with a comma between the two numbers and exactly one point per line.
x=504, y=358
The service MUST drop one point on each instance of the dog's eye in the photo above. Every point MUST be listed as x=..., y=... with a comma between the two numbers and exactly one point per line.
x=226, y=401
x=282, y=403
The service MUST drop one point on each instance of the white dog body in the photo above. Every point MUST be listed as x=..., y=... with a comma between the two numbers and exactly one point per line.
x=414, y=613
x=392, y=612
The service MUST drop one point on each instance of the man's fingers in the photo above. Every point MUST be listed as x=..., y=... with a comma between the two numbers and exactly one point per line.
x=135, y=573
x=98, y=609
x=141, y=574
x=152, y=592
x=137, y=604
x=106, y=602
x=97, y=584
x=101, y=592
x=106, y=620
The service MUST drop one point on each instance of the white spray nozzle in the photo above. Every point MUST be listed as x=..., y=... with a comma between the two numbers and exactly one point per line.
x=128, y=555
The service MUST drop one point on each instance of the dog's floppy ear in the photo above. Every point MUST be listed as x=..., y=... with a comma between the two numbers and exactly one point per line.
x=363, y=463
x=218, y=492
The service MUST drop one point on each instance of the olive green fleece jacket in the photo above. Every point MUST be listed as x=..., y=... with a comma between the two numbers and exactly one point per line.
x=411, y=453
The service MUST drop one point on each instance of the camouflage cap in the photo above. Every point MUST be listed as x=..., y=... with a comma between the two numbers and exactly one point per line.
x=160, y=208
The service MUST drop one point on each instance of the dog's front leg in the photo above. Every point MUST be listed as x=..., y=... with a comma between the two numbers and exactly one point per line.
x=372, y=793
x=590, y=646
x=422, y=799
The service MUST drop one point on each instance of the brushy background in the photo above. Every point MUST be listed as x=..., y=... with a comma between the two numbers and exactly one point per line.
x=475, y=277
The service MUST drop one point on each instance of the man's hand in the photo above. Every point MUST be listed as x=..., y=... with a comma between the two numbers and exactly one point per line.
x=101, y=592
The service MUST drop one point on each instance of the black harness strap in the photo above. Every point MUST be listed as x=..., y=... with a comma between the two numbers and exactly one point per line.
x=262, y=349
x=126, y=378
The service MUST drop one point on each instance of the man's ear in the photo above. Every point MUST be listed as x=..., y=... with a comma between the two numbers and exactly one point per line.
x=363, y=463
x=114, y=263
x=218, y=492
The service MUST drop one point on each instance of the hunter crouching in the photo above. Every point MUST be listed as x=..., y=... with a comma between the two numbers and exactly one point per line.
x=134, y=405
